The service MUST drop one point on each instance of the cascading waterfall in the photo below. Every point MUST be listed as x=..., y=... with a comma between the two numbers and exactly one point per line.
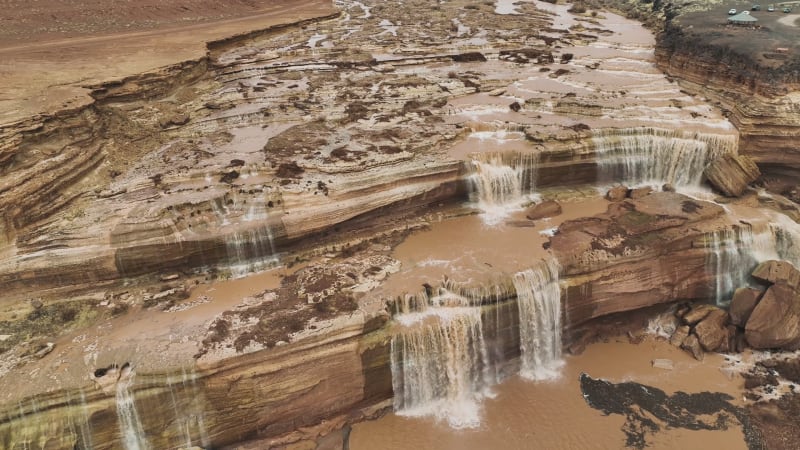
x=251, y=249
x=188, y=410
x=502, y=182
x=655, y=156
x=539, y=303
x=130, y=427
x=735, y=252
x=731, y=261
x=440, y=365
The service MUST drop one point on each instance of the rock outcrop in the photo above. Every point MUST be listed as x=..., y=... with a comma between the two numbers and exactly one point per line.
x=771, y=272
x=549, y=208
x=731, y=174
x=742, y=305
x=775, y=321
x=639, y=253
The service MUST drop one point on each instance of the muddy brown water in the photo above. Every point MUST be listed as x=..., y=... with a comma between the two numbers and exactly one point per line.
x=553, y=415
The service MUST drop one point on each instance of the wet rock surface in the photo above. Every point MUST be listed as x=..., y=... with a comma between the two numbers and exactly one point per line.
x=775, y=321
x=742, y=305
x=647, y=410
x=543, y=210
x=731, y=174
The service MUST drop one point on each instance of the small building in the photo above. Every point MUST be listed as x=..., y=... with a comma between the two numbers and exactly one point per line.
x=743, y=18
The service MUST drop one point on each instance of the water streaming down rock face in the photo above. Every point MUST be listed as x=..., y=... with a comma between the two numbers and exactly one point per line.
x=539, y=303
x=130, y=426
x=735, y=252
x=442, y=361
x=502, y=182
x=655, y=156
x=440, y=364
x=253, y=248
x=187, y=406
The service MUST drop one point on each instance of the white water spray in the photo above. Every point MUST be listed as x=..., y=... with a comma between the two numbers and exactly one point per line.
x=539, y=303
x=440, y=365
x=130, y=427
x=654, y=156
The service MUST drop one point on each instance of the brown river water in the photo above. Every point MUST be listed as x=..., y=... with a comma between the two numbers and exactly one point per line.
x=553, y=414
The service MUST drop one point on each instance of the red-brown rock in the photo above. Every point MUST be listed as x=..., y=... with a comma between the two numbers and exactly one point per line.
x=711, y=331
x=775, y=321
x=698, y=313
x=692, y=345
x=640, y=192
x=744, y=300
x=549, y=208
x=680, y=335
x=731, y=174
x=617, y=193
x=772, y=272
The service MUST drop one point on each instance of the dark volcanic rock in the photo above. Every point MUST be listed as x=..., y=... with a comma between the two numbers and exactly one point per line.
x=775, y=321
x=732, y=173
x=648, y=409
x=778, y=421
x=744, y=300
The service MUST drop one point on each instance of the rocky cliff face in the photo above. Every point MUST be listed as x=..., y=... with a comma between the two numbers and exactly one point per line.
x=323, y=145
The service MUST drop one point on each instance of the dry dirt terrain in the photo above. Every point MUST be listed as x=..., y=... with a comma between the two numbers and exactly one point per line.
x=51, y=50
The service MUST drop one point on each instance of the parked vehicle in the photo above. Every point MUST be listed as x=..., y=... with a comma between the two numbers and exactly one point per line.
x=732, y=11
x=771, y=8
x=787, y=10
x=756, y=8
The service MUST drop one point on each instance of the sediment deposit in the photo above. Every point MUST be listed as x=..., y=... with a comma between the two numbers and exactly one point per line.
x=321, y=147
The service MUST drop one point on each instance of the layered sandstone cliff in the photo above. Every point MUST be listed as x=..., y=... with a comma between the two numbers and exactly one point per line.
x=324, y=145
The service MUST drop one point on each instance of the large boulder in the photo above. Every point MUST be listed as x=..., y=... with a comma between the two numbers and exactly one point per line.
x=698, y=313
x=640, y=192
x=744, y=300
x=731, y=174
x=711, y=331
x=775, y=321
x=692, y=345
x=549, y=208
x=617, y=193
x=680, y=335
x=772, y=272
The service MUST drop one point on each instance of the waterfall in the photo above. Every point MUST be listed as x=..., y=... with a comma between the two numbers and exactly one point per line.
x=502, y=182
x=655, y=156
x=251, y=249
x=187, y=406
x=131, y=431
x=730, y=260
x=735, y=252
x=440, y=365
x=539, y=303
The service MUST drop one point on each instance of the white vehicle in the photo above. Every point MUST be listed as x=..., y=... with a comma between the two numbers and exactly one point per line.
x=732, y=11
x=746, y=12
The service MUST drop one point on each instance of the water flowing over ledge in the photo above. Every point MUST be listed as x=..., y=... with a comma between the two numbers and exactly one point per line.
x=539, y=302
x=735, y=252
x=441, y=358
x=655, y=155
